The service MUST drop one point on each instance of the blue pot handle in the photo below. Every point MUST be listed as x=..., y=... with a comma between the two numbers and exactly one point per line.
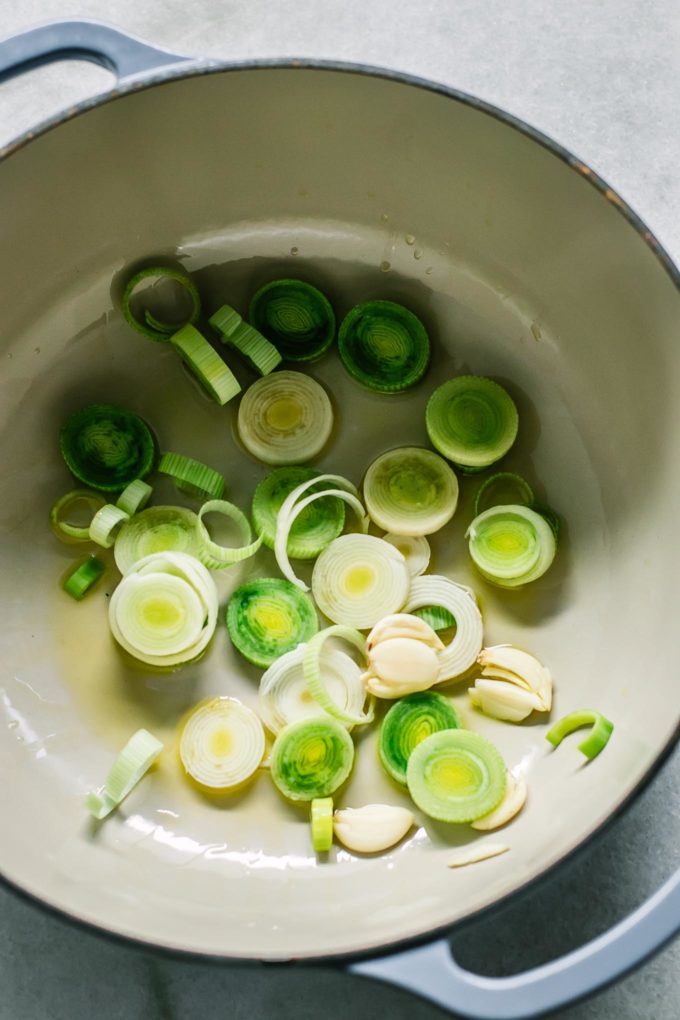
x=125, y=55
x=431, y=972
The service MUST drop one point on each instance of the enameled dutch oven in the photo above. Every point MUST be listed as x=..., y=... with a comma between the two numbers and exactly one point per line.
x=525, y=266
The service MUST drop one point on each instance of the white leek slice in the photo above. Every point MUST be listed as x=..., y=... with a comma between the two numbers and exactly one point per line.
x=222, y=744
x=285, y=418
x=503, y=700
x=155, y=530
x=503, y=662
x=410, y=491
x=414, y=548
x=358, y=579
x=136, y=758
x=315, y=675
x=476, y=853
x=164, y=611
x=216, y=556
x=372, y=828
x=294, y=504
x=284, y=696
x=466, y=644
x=106, y=524
x=512, y=803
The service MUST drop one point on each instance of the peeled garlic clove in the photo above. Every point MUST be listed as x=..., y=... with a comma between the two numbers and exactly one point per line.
x=503, y=662
x=403, y=625
x=400, y=666
x=471, y=855
x=372, y=828
x=513, y=802
x=503, y=700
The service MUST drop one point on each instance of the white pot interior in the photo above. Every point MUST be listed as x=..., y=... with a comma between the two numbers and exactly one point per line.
x=521, y=270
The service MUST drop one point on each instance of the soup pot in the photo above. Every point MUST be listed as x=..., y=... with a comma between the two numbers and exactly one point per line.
x=524, y=265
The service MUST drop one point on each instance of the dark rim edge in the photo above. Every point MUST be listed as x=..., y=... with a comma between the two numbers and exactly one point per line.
x=199, y=68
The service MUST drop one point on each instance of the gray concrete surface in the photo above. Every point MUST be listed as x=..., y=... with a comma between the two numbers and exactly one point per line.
x=601, y=77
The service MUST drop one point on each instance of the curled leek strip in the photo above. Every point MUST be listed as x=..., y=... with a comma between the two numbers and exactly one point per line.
x=456, y=776
x=134, y=497
x=164, y=610
x=107, y=447
x=261, y=354
x=321, y=817
x=296, y=317
x=151, y=325
x=222, y=744
x=311, y=758
x=285, y=418
x=384, y=346
x=315, y=679
x=216, y=556
x=268, y=617
x=106, y=524
x=78, y=583
x=313, y=529
x=472, y=421
x=414, y=548
x=359, y=579
x=466, y=644
x=206, y=365
x=597, y=739
x=191, y=476
x=136, y=758
x=511, y=545
x=284, y=695
x=410, y=491
x=155, y=530
x=408, y=722
x=68, y=502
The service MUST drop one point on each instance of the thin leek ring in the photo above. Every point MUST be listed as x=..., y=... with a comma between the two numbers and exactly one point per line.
x=214, y=555
x=311, y=665
x=151, y=327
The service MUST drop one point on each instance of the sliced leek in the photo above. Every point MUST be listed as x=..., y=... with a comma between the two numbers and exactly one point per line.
x=268, y=617
x=456, y=776
x=462, y=651
x=472, y=421
x=372, y=828
x=133, y=762
x=285, y=418
x=511, y=545
x=384, y=346
x=408, y=722
x=315, y=677
x=296, y=317
x=134, y=497
x=250, y=343
x=311, y=758
x=359, y=579
x=410, y=491
x=313, y=529
x=69, y=504
x=598, y=738
x=149, y=324
x=214, y=555
x=107, y=447
x=106, y=524
x=284, y=696
x=222, y=744
x=79, y=582
x=414, y=548
x=501, y=489
x=321, y=817
x=191, y=476
x=157, y=529
x=164, y=610
x=206, y=365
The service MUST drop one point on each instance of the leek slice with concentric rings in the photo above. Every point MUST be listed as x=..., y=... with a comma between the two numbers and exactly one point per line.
x=471, y=421
x=68, y=504
x=296, y=317
x=222, y=744
x=501, y=489
x=359, y=579
x=107, y=447
x=311, y=758
x=149, y=323
x=410, y=491
x=285, y=418
x=458, y=600
x=155, y=530
x=408, y=722
x=384, y=346
x=456, y=776
x=315, y=674
x=268, y=617
x=284, y=696
x=214, y=555
x=313, y=529
x=511, y=545
x=414, y=548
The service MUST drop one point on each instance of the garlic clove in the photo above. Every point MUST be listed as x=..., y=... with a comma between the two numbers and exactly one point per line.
x=471, y=855
x=403, y=625
x=512, y=803
x=504, y=662
x=401, y=665
x=503, y=700
x=372, y=828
